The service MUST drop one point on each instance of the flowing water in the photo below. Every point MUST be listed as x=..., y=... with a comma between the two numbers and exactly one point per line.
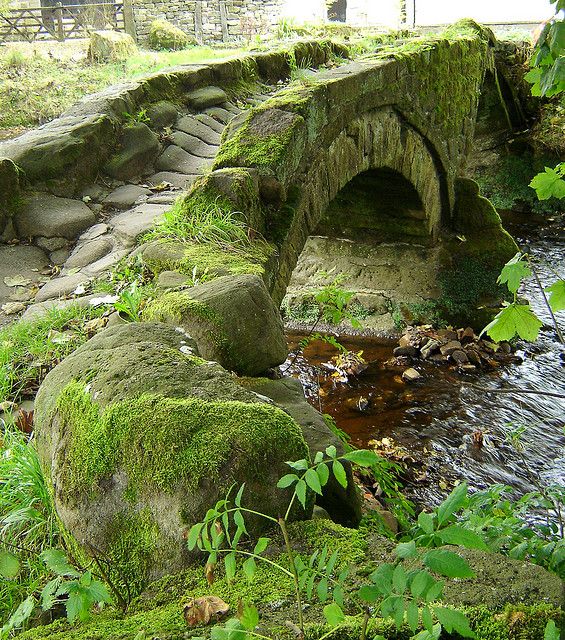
x=439, y=419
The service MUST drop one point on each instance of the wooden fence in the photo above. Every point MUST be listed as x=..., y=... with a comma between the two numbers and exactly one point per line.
x=60, y=22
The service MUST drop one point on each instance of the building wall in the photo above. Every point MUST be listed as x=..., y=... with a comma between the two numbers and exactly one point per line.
x=218, y=18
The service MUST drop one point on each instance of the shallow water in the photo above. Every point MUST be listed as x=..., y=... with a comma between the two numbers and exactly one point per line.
x=435, y=419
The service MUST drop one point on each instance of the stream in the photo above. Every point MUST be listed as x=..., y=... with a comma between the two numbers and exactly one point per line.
x=436, y=422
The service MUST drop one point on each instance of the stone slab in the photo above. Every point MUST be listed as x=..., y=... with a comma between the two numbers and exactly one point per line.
x=195, y=127
x=178, y=160
x=89, y=252
x=60, y=287
x=20, y=260
x=204, y=118
x=179, y=180
x=206, y=97
x=128, y=226
x=49, y=216
x=125, y=196
x=193, y=145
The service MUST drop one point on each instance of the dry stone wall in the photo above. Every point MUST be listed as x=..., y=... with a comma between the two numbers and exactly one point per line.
x=210, y=20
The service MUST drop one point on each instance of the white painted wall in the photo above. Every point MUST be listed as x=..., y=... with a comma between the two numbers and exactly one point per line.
x=374, y=12
x=305, y=10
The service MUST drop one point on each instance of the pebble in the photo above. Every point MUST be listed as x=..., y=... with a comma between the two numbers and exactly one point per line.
x=411, y=375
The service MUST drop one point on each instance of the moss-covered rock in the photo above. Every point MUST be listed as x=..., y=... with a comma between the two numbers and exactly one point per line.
x=232, y=319
x=165, y=36
x=9, y=190
x=111, y=46
x=138, y=149
x=139, y=438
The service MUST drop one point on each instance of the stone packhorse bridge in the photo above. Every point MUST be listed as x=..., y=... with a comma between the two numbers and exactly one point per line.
x=142, y=428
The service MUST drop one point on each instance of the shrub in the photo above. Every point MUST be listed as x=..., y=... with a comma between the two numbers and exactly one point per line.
x=164, y=36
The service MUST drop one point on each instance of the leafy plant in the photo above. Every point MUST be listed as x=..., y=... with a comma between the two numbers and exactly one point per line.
x=140, y=117
x=517, y=318
x=130, y=303
x=394, y=591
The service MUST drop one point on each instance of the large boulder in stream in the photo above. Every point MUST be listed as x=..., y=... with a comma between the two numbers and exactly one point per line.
x=139, y=437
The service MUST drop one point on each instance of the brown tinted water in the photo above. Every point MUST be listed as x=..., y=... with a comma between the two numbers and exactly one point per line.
x=440, y=419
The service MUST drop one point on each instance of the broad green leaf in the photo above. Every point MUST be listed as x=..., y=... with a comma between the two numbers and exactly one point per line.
x=261, y=545
x=433, y=634
x=406, y=549
x=287, y=480
x=426, y=522
x=249, y=617
x=338, y=595
x=332, y=562
x=557, y=295
x=56, y=561
x=513, y=272
x=318, y=457
x=323, y=474
x=301, y=492
x=448, y=564
x=454, y=501
x=551, y=631
x=49, y=594
x=299, y=465
x=9, y=565
x=435, y=591
x=453, y=620
x=20, y=615
x=369, y=593
x=229, y=563
x=339, y=473
x=193, y=535
x=362, y=457
x=514, y=320
x=382, y=578
x=331, y=451
x=312, y=480
x=462, y=537
x=249, y=568
x=98, y=592
x=427, y=619
x=322, y=590
x=412, y=616
x=78, y=604
x=239, y=521
x=399, y=579
x=333, y=614
x=421, y=582
x=237, y=499
x=548, y=185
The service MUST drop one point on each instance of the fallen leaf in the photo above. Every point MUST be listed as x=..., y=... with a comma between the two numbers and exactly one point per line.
x=201, y=611
x=12, y=307
x=79, y=290
x=17, y=281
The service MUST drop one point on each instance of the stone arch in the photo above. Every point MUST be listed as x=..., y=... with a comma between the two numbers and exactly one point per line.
x=376, y=140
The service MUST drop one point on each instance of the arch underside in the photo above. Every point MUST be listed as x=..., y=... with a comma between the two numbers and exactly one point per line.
x=369, y=207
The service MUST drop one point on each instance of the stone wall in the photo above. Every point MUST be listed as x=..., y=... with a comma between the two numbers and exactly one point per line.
x=210, y=20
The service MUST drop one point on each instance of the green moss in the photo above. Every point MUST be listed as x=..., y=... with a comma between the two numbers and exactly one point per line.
x=132, y=539
x=175, y=305
x=161, y=441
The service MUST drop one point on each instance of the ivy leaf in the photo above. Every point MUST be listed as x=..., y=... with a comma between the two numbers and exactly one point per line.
x=514, y=320
x=333, y=614
x=453, y=620
x=513, y=272
x=548, y=185
x=448, y=564
x=557, y=297
x=462, y=537
x=9, y=565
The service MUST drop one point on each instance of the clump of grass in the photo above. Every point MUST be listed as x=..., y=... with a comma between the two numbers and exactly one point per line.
x=195, y=220
x=30, y=349
x=27, y=517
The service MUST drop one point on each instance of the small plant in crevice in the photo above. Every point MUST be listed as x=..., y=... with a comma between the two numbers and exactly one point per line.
x=398, y=591
x=130, y=303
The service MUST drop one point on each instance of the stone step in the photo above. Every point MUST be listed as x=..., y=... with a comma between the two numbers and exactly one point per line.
x=220, y=114
x=61, y=286
x=179, y=180
x=204, y=118
x=178, y=160
x=88, y=252
x=228, y=106
x=195, y=127
x=193, y=145
x=125, y=196
x=128, y=226
x=166, y=197
x=105, y=264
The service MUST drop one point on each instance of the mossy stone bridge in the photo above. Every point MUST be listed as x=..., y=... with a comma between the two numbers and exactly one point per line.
x=370, y=150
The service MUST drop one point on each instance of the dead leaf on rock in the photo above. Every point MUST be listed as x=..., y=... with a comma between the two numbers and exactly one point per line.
x=12, y=307
x=17, y=281
x=201, y=611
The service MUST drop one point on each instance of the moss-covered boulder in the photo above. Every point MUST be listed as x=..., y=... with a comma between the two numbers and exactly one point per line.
x=139, y=437
x=233, y=320
x=111, y=46
x=165, y=36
